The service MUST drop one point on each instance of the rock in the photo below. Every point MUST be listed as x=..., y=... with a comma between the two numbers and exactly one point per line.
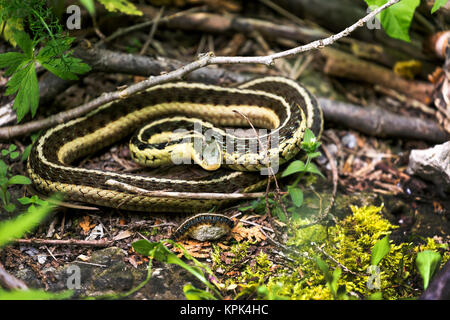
x=433, y=165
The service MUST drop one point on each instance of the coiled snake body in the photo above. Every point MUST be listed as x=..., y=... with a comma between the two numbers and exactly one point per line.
x=282, y=105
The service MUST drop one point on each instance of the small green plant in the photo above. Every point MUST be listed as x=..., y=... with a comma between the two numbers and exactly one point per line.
x=397, y=19
x=427, y=263
x=48, y=45
x=158, y=251
x=310, y=144
x=11, y=151
x=6, y=180
x=332, y=278
x=16, y=228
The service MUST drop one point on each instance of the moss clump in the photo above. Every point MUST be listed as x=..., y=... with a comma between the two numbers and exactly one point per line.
x=348, y=244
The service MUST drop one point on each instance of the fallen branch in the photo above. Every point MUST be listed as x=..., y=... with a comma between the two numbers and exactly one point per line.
x=381, y=123
x=347, y=66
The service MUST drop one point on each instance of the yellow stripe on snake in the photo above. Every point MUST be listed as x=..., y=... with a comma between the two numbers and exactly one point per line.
x=280, y=105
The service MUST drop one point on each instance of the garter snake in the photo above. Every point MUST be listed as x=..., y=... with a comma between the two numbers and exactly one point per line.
x=275, y=103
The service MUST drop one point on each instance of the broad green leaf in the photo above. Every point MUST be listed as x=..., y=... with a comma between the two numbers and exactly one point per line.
x=19, y=180
x=54, y=48
x=437, y=5
x=396, y=19
x=380, y=250
x=376, y=296
x=14, y=154
x=192, y=293
x=26, y=83
x=144, y=247
x=314, y=155
x=333, y=284
x=160, y=252
x=12, y=61
x=89, y=5
x=10, y=207
x=427, y=263
x=33, y=294
x=311, y=167
x=123, y=6
x=24, y=42
x=17, y=227
x=309, y=136
x=323, y=266
x=3, y=168
x=294, y=167
x=296, y=195
x=25, y=200
x=68, y=69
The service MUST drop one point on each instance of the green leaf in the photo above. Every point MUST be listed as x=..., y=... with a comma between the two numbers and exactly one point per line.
x=376, y=296
x=427, y=263
x=89, y=5
x=294, y=167
x=66, y=69
x=192, y=293
x=437, y=5
x=12, y=60
x=16, y=228
x=396, y=19
x=380, y=250
x=24, y=42
x=314, y=155
x=331, y=278
x=158, y=251
x=14, y=155
x=12, y=25
x=311, y=167
x=3, y=168
x=5, y=152
x=296, y=195
x=25, y=200
x=123, y=6
x=19, y=180
x=144, y=247
x=12, y=147
x=309, y=136
x=33, y=294
x=10, y=207
x=323, y=266
x=25, y=82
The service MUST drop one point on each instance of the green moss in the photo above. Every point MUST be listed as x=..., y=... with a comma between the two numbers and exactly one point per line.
x=349, y=243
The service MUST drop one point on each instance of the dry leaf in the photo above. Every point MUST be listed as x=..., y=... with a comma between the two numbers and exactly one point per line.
x=123, y=235
x=252, y=234
x=196, y=249
x=86, y=224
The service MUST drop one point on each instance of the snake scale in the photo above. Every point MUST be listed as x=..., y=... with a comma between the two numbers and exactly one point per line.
x=279, y=104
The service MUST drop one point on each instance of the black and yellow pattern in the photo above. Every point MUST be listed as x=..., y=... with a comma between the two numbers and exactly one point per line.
x=271, y=102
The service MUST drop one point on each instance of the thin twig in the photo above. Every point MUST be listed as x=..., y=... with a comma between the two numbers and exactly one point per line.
x=203, y=61
x=124, y=31
x=152, y=31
